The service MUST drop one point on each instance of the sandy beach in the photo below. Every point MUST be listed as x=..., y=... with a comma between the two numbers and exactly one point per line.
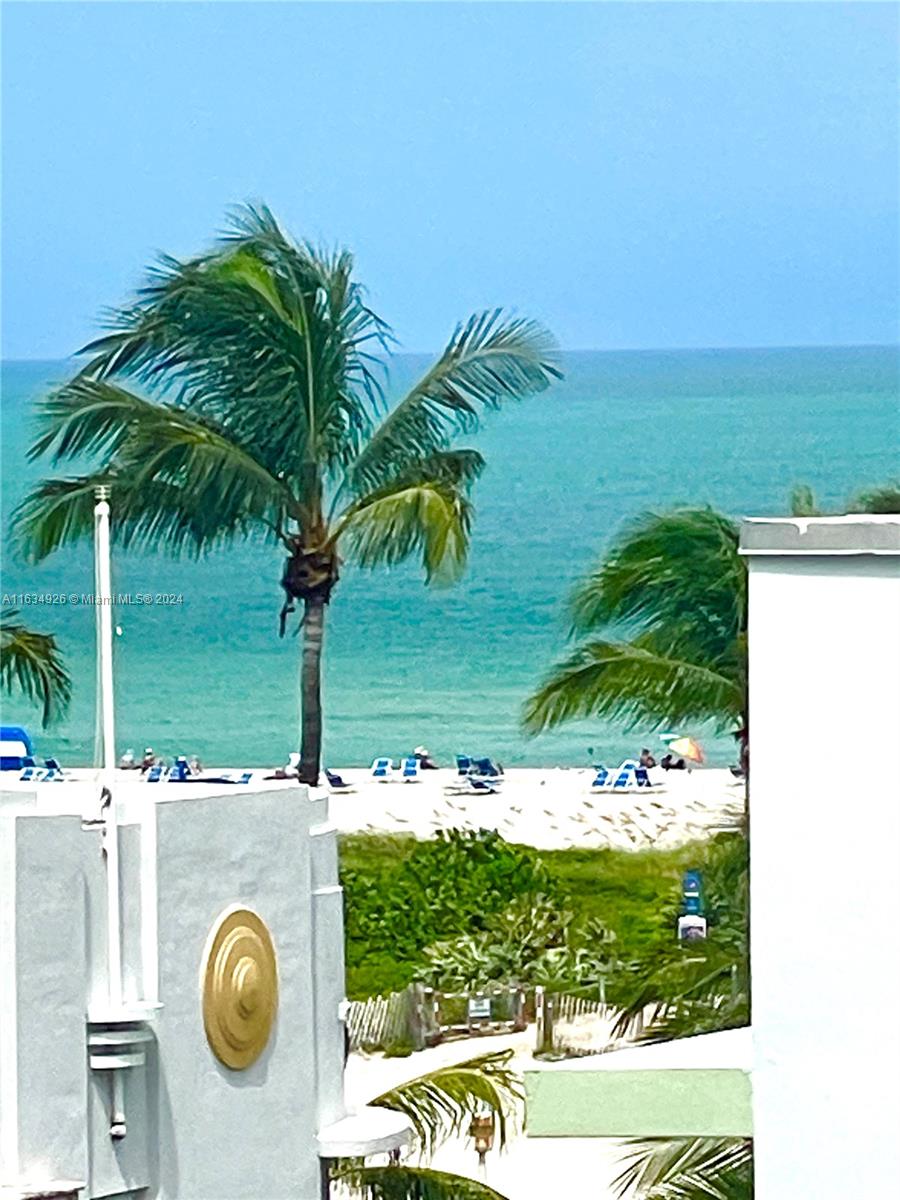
x=551, y=809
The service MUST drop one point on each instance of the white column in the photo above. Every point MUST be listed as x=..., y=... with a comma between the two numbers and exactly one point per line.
x=825, y=835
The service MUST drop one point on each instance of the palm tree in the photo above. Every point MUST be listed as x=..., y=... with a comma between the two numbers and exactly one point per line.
x=262, y=413
x=30, y=663
x=676, y=585
x=439, y=1105
x=689, y=1169
x=883, y=498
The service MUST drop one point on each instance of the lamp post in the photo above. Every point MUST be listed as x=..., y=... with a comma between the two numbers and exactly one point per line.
x=106, y=740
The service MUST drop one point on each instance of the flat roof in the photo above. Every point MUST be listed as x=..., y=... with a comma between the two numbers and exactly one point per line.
x=855, y=533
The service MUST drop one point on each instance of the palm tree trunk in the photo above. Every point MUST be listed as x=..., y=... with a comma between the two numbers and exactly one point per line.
x=311, y=690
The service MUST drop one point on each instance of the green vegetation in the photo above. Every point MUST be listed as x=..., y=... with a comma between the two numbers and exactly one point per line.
x=677, y=581
x=262, y=414
x=472, y=907
x=439, y=1105
x=883, y=498
x=30, y=664
x=689, y=1169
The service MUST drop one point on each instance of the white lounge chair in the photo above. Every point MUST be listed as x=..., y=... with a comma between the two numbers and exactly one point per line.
x=411, y=772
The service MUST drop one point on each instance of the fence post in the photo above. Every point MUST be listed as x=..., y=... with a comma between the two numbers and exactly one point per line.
x=414, y=1023
x=543, y=1018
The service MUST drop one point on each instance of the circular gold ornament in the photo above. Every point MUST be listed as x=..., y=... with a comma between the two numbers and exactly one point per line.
x=240, y=988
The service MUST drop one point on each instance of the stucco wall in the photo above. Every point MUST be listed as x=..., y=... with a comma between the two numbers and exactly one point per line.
x=825, y=880
x=196, y=1130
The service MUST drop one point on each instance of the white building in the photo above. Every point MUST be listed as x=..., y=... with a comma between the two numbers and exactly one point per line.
x=230, y=947
x=815, y=1080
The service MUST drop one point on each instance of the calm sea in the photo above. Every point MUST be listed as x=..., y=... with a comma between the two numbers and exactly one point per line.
x=406, y=665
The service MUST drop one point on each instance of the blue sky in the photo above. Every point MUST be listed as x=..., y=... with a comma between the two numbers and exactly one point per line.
x=634, y=175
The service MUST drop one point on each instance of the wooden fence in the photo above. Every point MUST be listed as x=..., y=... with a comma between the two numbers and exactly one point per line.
x=378, y=1021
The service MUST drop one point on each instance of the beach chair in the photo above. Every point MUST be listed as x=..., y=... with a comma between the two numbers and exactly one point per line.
x=383, y=770
x=16, y=750
x=625, y=775
x=485, y=787
x=463, y=764
x=600, y=781
x=337, y=784
x=641, y=778
x=411, y=772
x=155, y=773
x=32, y=775
x=486, y=768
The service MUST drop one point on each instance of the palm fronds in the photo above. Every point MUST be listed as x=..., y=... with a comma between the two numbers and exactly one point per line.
x=31, y=663
x=633, y=681
x=413, y=1183
x=677, y=580
x=390, y=526
x=440, y=1103
x=490, y=359
x=688, y=1169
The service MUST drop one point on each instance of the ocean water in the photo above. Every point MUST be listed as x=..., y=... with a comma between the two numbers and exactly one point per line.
x=405, y=665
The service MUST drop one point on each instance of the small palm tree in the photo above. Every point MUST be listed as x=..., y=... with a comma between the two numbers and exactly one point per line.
x=30, y=663
x=676, y=582
x=439, y=1105
x=883, y=498
x=262, y=413
x=688, y=1169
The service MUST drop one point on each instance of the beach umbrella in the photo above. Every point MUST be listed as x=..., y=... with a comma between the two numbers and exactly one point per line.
x=686, y=747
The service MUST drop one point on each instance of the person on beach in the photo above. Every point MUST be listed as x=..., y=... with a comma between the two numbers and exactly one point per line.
x=670, y=763
x=148, y=760
x=426, y=762
x=647, y=759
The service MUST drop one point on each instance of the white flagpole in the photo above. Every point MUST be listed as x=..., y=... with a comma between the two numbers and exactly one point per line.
x=107, y=738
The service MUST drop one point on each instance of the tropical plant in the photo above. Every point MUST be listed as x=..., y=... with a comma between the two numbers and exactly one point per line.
x=30, y=663
x=439, y=1105
x=532, y=941
x=883, y=498
x=688, y=1169
x=676, y=586
x=681, y=989
x=262, y=413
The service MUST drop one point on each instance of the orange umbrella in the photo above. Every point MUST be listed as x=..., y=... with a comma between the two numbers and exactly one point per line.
x=686, y=747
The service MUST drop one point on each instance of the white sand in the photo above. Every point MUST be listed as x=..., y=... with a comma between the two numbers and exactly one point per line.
x=551, y=809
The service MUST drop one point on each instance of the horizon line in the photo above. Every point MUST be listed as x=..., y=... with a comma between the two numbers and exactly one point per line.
x=592, y=350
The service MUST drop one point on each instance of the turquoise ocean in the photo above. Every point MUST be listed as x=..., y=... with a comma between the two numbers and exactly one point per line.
x=625, y=432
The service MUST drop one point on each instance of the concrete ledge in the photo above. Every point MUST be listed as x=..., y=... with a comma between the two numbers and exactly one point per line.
x=371, y=1130
x=852, y=534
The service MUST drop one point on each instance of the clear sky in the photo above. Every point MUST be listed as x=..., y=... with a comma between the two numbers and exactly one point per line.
x=636, y=175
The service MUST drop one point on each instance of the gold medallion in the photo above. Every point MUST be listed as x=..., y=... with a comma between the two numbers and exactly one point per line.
x=240, y=988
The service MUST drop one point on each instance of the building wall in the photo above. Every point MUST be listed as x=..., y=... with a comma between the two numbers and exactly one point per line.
x=825, y=878
x=196, y=1130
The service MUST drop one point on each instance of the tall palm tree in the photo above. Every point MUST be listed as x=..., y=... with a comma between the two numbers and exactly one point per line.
x=674, y=586
x=688, y=1169
x=262, y=412
x=439, y=1105
x=30, y=663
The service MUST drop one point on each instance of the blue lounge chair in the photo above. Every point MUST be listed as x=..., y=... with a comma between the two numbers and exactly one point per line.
x=626, y=774
x=411, y=770
x=463, y=764
x=486, y=768
x=488, y=787
x=337, y=783
x=601, y=779
x=642, y=779
x=383, y=770
x=155, y=773
x=16, y=750
x=32, y=775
